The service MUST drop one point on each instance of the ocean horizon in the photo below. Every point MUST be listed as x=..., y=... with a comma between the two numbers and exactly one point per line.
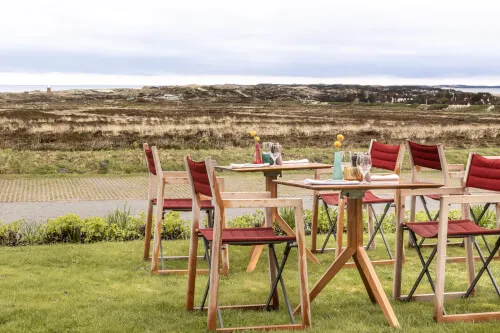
x=29, y=88
x=34, y=87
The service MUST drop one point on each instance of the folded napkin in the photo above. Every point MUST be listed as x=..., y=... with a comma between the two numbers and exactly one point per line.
x=305, y=160
x=247, y=165
x=392, y=177
x=330, y=182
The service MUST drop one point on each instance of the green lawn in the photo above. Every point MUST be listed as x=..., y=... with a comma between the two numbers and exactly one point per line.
x=106, y=287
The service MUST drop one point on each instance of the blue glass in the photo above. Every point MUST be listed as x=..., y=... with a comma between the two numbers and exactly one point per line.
x=337, y=165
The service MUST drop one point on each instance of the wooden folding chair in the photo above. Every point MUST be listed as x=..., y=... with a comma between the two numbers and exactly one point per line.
x=158, y=179
x=466, y=229
x=203, y=181
x=386, y=157
x=483, y=174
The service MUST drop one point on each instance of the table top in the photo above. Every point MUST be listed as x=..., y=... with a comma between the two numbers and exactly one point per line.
x=378, y=185
x=277, y=168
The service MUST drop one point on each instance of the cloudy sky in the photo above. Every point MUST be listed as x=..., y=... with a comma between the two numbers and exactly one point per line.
x=216, y=41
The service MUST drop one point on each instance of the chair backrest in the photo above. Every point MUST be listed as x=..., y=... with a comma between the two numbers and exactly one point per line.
x=483, y=172
x=427, y=156
x=198, y=177
x=149, y=159
x=387, y=157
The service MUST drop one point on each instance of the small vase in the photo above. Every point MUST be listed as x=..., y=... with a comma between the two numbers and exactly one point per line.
x=257, y=159
x=337, y=165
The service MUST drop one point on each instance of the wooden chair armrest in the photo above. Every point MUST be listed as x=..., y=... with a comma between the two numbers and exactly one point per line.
x=441, y=190
x=262, y=203
x=456, y=167
x=245, y=195
x=470, y=198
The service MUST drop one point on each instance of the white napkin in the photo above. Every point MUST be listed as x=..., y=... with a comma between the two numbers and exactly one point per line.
x=330, y=182
x=247, y=165
x=392, y=177
x=305, y=160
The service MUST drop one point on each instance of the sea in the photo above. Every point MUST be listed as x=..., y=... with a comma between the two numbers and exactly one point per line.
x=27, y=88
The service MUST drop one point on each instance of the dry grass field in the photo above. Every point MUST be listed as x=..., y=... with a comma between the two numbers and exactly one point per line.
x=89, y=124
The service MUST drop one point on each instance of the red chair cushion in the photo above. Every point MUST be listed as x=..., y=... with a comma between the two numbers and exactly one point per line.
x=384, y=156
x=247, y=235
x=183, y=204
x=456, y=229
x=151, y=161
x=434, y=196
x=484, y=173
x=425, y=156
x=199, y=175
x=332, y=199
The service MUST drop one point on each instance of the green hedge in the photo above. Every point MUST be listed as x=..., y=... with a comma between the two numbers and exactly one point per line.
x=121, y=225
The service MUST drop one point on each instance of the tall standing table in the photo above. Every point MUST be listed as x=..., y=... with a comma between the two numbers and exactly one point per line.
x=355, y=248
x=271, y=174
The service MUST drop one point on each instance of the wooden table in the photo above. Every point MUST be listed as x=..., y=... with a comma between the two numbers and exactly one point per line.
x=271, y=174
x=355, y=248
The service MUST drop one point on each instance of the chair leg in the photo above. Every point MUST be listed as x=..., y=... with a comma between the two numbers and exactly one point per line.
x=478, y=219
x=280, y=279
x=205, y=294
x=371, y=226
x=333, y=227
x=425, y=269
x=484, y=268
x=424, y=203
x=147, y=231
x=378, y=227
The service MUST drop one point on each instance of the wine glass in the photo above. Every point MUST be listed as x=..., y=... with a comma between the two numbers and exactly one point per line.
x=364, y=162
x=275, y=152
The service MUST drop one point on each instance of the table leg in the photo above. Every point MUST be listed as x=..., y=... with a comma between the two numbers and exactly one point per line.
x=356, y=250
x=340, y=226
x=398, y=264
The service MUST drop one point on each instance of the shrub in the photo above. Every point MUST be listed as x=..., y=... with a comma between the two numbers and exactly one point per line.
x=94, y=229
x=174, y=227
x=247, y=220
x=64, y=229
x=489, y=218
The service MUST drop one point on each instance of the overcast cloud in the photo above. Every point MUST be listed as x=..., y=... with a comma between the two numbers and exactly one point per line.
x=321, y=40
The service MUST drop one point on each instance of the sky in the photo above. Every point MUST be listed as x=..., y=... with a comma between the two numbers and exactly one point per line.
x=220, y=41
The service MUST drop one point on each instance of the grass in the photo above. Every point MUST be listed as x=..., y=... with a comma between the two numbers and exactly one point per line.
x=130, y=161
x=106, y=287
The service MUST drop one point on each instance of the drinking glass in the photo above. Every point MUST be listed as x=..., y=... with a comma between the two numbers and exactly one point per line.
x=364, y=162
x=275, y=152
x=346, y=159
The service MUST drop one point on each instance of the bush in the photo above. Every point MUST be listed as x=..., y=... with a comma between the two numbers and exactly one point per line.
x=247, y=220
x=121, y=225
x=64, y=229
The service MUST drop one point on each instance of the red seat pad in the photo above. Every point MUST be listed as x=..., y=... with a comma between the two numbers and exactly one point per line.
x=247, y=235
x=332, y=199
x=183, y=204
x=434, y=196
x=456, y=229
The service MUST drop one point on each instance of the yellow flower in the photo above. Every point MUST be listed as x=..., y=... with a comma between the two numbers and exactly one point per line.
x=252, y=133
x=340, y=137
x=337, y=144
x=256, y=138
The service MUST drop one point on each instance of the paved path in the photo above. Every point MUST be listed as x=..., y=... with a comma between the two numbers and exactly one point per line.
x=39, y=198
